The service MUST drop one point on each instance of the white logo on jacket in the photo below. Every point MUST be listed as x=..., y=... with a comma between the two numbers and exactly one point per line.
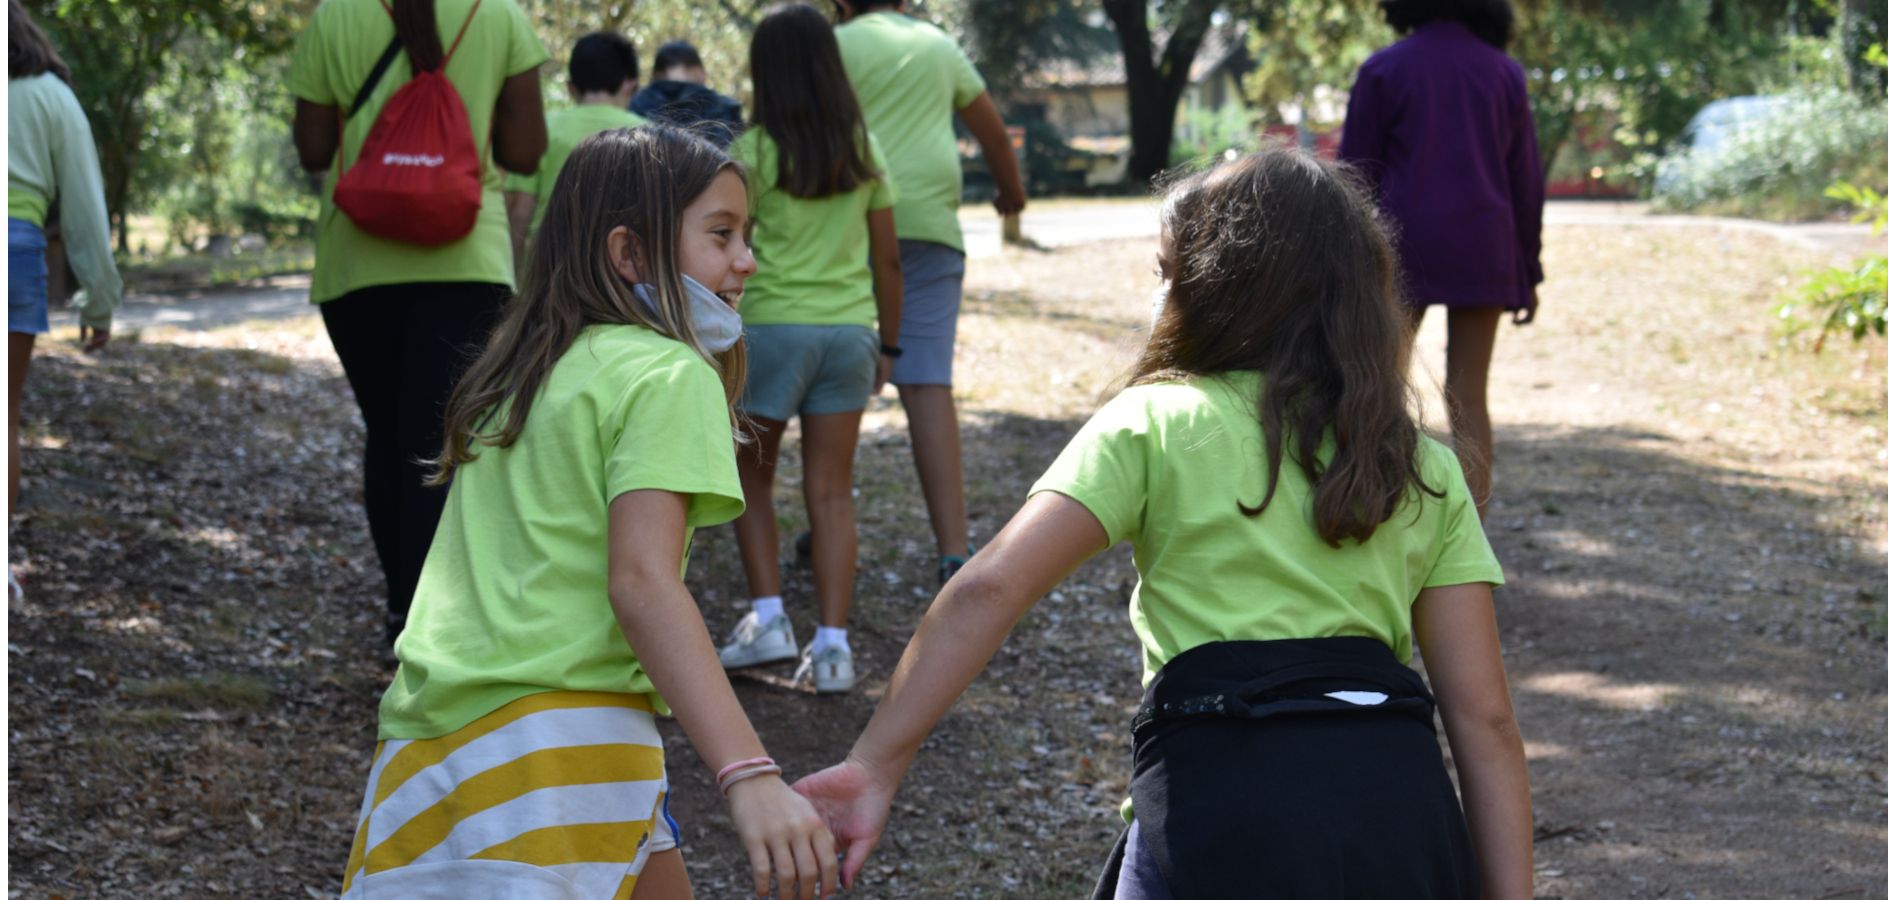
x=412, y=159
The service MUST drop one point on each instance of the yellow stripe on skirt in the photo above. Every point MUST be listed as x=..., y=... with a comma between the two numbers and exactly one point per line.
x=556, y=796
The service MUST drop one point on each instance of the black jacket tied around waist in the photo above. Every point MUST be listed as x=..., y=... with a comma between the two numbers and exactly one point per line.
x=1252, y=780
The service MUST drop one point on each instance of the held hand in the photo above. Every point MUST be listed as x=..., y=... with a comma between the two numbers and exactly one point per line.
x=92, y=340
x=855, y=804
x=785, y=839
x=1525, y=315
x=883, y=375
x=1008, y=204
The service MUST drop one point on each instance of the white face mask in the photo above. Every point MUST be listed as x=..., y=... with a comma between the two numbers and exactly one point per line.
x=716, y=323
x=1158, y=302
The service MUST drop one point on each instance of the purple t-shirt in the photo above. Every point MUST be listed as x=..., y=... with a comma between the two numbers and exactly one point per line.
x=1439, y=122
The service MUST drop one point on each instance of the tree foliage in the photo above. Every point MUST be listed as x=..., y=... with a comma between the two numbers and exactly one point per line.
x=120, y=52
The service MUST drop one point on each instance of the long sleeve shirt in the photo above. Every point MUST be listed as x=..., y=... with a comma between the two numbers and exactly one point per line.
x=1439, y=121
x=50, y=155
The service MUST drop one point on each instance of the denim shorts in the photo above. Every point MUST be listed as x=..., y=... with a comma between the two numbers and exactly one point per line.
x=26, y=278
x=808, y=370
x=927, y=329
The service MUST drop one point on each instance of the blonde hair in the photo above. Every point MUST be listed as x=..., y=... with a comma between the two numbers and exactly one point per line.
x=640, y=179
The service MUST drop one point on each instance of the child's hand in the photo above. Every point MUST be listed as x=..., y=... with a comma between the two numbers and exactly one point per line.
x=785, y=839
x=882, y=375
x=855, y=805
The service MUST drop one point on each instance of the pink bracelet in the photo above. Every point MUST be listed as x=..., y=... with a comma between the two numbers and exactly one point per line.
x=745, y=774
x=756, y=761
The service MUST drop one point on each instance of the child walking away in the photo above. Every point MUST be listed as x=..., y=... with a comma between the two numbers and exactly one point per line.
x=1439, y=122
x=912, y=79
x=1294, y=532
x=602, y=80
x=828, y=252
x=519, y=754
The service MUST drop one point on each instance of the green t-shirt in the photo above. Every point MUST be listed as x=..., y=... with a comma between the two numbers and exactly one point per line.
x=911, y=78
x=566, y=129
x=343, y=40
x=814, y=256
x=1162, y=465
x=514, y=598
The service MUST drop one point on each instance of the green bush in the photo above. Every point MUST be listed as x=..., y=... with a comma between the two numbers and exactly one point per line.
x=1851, y=300
x=1202, y=136
x=1778, y=168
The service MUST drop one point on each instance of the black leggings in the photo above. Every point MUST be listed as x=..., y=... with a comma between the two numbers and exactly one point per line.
x=402, y=347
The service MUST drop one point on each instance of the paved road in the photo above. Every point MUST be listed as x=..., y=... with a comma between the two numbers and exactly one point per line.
x=1050, y=227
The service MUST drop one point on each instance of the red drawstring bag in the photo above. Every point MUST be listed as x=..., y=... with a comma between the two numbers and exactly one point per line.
x=419, y=178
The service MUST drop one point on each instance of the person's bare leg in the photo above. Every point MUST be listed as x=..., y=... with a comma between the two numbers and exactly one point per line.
x=1471, y=350
x=757, y=530
x=663, y=878
x=828, y=443
x=19, y=353
x=938, y=451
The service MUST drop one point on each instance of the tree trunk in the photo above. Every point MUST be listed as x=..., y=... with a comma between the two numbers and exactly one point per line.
x=1155, y=88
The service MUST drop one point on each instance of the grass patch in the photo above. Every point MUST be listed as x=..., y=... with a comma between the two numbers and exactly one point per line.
x=142, y=718
x=215, y=689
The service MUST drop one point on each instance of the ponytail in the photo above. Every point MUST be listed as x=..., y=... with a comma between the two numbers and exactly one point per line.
x=417, y=25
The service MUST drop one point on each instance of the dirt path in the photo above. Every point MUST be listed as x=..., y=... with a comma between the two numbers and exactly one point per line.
x=1694, y=520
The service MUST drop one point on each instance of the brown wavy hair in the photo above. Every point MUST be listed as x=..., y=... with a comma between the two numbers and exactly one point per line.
x=1280, y=264
x=29, y=51
x=804, y=101
x=640, y=178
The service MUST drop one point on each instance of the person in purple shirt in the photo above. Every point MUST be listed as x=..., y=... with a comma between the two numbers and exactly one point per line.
x=1439, y=122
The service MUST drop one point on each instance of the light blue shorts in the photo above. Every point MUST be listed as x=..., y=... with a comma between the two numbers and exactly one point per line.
x=927, y=329
x=808, y=370
x=26, y=278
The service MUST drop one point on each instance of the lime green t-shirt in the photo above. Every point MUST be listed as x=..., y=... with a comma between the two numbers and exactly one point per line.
x=343, y=40
x=1164, y=466
x=911, y=78
x=566, y=129
x=814, y=256
x=514, y=598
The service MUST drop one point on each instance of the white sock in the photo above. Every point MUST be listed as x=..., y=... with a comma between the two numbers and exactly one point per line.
x=767, y=609
x=830, y=637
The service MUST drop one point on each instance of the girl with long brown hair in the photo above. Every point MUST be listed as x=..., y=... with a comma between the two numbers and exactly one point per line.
x=1295, y=533
x=50, y=159
x=519, y=751
x=829, y=272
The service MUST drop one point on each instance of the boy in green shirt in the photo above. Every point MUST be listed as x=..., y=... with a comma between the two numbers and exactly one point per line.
x=603, y=71
x=911, y=78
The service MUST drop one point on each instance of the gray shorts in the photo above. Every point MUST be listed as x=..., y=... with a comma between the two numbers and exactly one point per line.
x=927, y=329
x=808, y=370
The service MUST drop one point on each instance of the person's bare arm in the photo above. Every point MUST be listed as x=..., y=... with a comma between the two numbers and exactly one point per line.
x=518, y=138
x=888, y=286
x=520, y=206
x=783, y=836
x=1041, y=546
x=317, y=133
x=1455, y=626
x=986, y=125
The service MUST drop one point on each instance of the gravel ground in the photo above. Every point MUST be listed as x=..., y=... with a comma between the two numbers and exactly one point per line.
x=1692, y=512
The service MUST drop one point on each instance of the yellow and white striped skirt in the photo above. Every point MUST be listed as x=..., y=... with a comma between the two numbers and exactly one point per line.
x=557, y=795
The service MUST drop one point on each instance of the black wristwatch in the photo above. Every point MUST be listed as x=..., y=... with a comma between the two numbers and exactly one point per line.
x=890, y=350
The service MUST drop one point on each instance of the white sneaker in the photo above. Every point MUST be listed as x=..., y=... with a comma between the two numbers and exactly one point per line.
x=830, y=669
x=755, y=644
